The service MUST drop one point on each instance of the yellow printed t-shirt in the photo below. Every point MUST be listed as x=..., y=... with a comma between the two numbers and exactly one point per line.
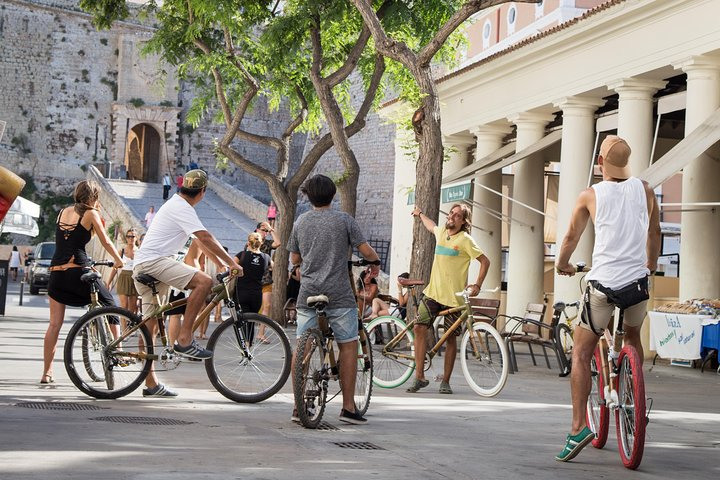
x=450, y=266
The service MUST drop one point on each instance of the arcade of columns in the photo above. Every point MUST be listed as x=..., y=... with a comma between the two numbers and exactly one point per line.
x=698, y=277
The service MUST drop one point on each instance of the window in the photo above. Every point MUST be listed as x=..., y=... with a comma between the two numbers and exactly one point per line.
x=511, y=19
x=487, y=30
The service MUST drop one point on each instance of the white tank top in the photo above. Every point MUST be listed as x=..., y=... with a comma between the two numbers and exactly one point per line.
x=621, y=230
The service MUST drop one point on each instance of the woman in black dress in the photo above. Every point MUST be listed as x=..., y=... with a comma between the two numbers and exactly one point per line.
x=74, y=229
x=248, y=292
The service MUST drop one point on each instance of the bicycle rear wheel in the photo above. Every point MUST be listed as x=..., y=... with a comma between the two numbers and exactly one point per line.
x=564, y=346
x=363, y=381
x=101, y=371
x=486, y=372
x=243, y=368
x=389, y=370
x=630, y=417
x=597, y=414
x=310, y=378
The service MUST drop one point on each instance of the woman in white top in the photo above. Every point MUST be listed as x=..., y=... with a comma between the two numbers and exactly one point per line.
x=14, y=262
x=125, y=285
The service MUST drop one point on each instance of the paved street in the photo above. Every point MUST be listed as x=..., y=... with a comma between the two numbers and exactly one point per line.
x=414, y=436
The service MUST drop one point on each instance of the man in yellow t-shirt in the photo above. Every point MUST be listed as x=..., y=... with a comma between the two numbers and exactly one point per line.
x=454, y=250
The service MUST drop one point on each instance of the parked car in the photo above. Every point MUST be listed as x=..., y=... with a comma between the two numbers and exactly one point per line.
x=39, y=266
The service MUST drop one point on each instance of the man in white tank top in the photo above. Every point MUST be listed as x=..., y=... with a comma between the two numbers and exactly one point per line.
x=626, y=218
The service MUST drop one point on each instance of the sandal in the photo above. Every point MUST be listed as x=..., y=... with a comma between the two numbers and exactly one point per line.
x=263, y=340
x=417, y=385
x=45, y=379
x=445, y=388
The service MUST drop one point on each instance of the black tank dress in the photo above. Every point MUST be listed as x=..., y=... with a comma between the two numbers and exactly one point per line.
x=65, y=286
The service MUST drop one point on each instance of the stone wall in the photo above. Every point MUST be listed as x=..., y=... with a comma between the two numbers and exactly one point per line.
x=60, y=80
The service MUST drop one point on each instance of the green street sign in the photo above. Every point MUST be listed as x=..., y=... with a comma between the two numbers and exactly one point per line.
x=448, y=194
x=456, y=193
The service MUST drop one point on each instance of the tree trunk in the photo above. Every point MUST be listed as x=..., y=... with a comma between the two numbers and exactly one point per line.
x=428, y=173
x=283, y=226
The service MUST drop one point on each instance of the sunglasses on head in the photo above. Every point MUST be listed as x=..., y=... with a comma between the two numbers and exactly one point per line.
x=265, y=230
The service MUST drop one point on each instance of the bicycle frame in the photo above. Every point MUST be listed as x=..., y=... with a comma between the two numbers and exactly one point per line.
x=220, y=293
x=466, y=318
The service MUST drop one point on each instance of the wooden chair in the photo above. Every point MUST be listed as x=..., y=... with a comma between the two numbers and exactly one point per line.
x=529, y=329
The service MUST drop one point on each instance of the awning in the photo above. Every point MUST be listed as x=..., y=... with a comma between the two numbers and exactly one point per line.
x=691, y=147
x=484, y=162
x=545, y=142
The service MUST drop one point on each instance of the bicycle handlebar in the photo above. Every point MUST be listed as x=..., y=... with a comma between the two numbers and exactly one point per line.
x=467, y=291
x=362, y=263
x=102, y=263
x=222, y=276
x=560, y=306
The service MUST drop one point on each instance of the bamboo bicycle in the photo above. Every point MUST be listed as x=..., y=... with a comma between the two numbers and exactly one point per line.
x=483, y=353
x=316, y=364
x=108, y=365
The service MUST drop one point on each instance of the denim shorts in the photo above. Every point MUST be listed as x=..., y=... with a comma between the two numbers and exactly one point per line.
x=343, y=321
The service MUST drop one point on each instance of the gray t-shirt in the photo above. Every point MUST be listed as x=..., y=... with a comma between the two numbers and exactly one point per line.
x=323, y=239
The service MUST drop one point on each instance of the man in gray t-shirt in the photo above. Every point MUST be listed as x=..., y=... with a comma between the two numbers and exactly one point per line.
x=320, y=243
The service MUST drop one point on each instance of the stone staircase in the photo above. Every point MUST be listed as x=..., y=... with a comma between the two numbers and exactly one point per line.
x=230, y=226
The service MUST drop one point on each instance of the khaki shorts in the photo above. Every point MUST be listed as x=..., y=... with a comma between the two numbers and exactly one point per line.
x=601, y=312
x=169, y=272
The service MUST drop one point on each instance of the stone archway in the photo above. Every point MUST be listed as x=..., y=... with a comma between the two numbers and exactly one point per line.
x=143, y=154
x=143, y=141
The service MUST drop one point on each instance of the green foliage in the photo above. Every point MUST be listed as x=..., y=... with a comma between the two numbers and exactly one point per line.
x=114, y=227
x=136, y=102
x=167, y=103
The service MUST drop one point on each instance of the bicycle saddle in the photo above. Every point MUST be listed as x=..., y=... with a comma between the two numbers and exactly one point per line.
x=320, y=301
x=90, y=277
x=146, y=279
x=406, y=282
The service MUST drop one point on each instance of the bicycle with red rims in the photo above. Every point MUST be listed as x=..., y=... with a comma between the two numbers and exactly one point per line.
x=618, y=385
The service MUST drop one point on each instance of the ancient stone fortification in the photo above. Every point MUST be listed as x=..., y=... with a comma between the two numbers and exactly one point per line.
x=74, y=97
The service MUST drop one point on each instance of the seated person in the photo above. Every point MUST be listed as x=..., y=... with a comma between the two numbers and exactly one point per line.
x=387, y=305
x=367, y=290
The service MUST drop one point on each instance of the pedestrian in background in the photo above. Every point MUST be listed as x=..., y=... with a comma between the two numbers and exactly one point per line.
x=14, y=262
x=125, y=285
x=166, y=183
x=149, y=216
x=271, y=214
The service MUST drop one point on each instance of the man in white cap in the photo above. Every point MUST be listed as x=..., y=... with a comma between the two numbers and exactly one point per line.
x=174, y=223
x=626, y=219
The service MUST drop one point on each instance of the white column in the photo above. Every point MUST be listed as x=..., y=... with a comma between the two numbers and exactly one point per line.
x=635, y=118
x=456, y=147
x=699, y=259
x=527, y=248
x=578, y=139
x=487, y=228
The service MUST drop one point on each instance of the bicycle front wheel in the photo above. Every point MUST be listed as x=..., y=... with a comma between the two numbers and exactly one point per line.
x=597, y=414
x=392, y=365
x=564, y=346
x=310, y=378
x=630, y=417
x=363, y=381
x=243, y=367
x=486, y=366
x=102, y=371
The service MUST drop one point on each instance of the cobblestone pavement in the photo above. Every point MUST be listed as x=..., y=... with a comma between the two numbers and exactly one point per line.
x=409, y=436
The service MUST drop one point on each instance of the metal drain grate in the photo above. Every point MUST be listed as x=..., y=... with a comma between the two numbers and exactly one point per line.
x=59, y=406
x=327, y=426
x=143, y=420
x=358, y=445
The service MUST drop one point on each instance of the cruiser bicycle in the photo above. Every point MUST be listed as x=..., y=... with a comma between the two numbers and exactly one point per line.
x=109, y=351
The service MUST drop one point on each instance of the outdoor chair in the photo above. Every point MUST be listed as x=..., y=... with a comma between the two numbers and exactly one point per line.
x=529, y=329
